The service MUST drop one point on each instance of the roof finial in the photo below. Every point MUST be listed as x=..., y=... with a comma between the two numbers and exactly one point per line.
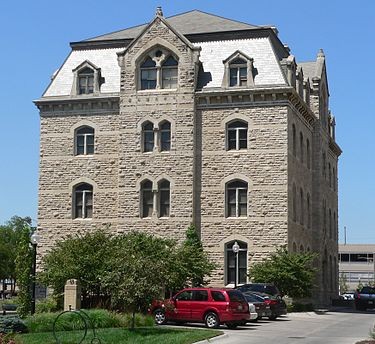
x=159, y=12
x=321, y=53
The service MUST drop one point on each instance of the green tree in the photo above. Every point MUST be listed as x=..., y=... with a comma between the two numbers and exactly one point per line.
x=292, y=273
x=137, y=270
x=81, y=257
x=343, y=283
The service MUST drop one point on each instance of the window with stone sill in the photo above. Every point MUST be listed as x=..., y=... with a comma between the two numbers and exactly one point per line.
x=147, y=199
x=238, y=71
x=148, y=140
x=84, y=141
x=86, y=79
x=158, y=70
x=165, y=136
x=236, y=199
x=164, y=192
x=237, y=135
x=82, y=201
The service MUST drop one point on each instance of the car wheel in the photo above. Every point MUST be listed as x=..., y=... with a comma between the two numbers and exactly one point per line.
x=272, y=317
x=159, y=316
x=211, y=320
x=232, y=326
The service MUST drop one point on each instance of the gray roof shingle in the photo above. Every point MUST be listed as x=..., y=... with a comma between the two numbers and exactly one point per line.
x=192, y=22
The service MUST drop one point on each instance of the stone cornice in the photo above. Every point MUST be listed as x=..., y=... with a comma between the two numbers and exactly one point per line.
x=334, y=147
x=78, y=105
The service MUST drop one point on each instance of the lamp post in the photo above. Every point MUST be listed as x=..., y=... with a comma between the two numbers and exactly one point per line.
x=34, y=239
x=235, y=249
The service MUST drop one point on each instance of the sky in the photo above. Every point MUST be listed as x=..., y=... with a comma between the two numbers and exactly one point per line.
x=35, y=37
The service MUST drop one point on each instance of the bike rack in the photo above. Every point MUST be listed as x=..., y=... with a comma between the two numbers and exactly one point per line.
x=86, y=321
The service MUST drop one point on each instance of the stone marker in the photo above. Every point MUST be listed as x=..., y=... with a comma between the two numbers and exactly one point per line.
x=72, y=295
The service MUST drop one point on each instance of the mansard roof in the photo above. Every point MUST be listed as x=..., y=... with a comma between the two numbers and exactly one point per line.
x=192, y=22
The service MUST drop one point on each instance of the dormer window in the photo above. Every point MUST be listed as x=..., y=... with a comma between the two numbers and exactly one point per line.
x=169, y=72
x=238, y=72
x=87, y=79
x=158, y=69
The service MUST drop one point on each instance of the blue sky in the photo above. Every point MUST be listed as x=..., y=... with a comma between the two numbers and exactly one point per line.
x=35, y=36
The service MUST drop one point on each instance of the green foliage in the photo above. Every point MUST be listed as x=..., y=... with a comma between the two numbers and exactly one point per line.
x=343, y=286
x=80, y=257
x=12, y=324
x=300, y=307
x=24, y=261
x=292, y=273
x=100, y=318
x=47, y=305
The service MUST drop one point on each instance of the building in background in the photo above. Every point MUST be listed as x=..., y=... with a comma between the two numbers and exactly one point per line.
x=193, y=119
x=356, y=264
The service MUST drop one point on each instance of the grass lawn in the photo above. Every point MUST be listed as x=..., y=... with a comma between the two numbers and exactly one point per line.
x=151, y=335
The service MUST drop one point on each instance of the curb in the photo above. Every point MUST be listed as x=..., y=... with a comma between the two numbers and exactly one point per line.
x=213, y=339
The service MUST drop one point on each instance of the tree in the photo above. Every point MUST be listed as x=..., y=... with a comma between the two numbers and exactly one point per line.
x=292, y=273
x=81, y=257
x=343, y=286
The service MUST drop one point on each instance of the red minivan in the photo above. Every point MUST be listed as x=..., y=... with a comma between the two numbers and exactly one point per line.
x=212, y=306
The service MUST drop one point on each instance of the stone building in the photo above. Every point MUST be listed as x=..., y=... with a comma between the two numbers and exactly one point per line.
x=193, y=119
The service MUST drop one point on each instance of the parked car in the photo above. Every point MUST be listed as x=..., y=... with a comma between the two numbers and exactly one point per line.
x=211, y=306
x=364, y=298
x=261, y=307
x=270, y=294
x=347, y=296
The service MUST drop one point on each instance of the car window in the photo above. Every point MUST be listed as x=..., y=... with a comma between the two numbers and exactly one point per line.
x=186, y=295
x=200, y=295
x=368, y=290
x=251, y=298
x=217, y=295
x=236, y=296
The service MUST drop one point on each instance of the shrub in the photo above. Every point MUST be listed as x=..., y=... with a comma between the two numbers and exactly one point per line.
x=12, y=325
x=100, y=318
x=47, y=305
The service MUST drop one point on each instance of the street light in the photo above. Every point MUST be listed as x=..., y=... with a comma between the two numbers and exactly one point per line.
x=235, y=249
x=34, y=239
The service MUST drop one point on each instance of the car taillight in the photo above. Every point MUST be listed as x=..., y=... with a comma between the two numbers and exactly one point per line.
x=237, y=307
x=270, y=302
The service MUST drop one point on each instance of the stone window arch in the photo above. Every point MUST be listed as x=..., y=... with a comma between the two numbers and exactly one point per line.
x=164, y=198
x=82, y=201
x=330, y=223
x=308, y=154
x=308, y=207
x=238, y=70
x=236, y=133
x=148, y=137
x=147, y=198
x=86, y=79
x=158, y=69
x=165, y=136
x=294, y=140
x=301, y=147
x=236, y=198
x=294, y=249
x=302, y=207
x=301, y=249
x=233, y=261
x=84, y=140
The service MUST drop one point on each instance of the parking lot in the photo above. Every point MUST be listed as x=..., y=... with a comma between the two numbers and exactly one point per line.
x=344, y=326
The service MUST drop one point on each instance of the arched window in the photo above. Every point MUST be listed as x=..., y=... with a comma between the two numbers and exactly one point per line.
x=237, y=135
x=82, y=201
x=330, y=223
x=147, y=199
x=238, y=72
x=308, y=157
x=294, y=205
x=84, y=141
x=148, y=74
x=329, y=175
x=238, y=260
x=294, y=248
x=165, y=136
x=164, y=198
x=86, y=81
x=301, y=249
x=236, y=199
x=301, y=147
x=308, y=206
x=169, y=73
x=148, y=136
x=302, y=208
x=294, y=140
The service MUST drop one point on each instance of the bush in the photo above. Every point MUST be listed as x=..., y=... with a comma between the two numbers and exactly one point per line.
x=300, y=307
x=12, y=324
x=100, y=318
x=47, y=305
